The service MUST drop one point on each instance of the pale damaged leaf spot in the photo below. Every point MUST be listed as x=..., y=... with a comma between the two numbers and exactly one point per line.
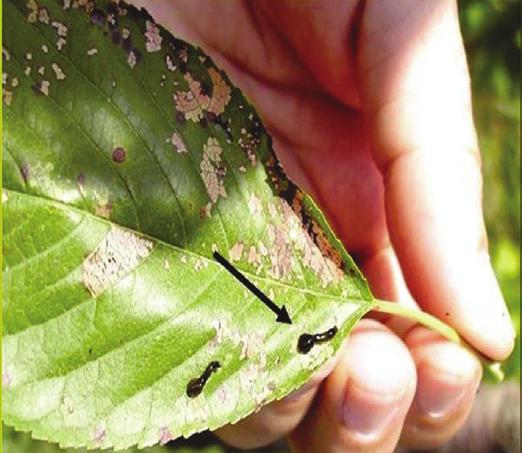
x=254, y=205
x=132, y=58
x=249, y=143
x=178, y=143
x=220, y=93
x=248, y=342
x=42, y=87
x=32, y=14
x=7, y=379
x=211, y=171
x=165, y=436
x=236, y=252
x=281, y=254
x=194, y=103
x=119, y=253
x=58, y=71
x=254, y=258
x=7, y=97
x=43, y=15
x=170, y=64
x=153, y=38
x=61, y=32
x=191, y=102
x=6, y=54
x=99, y=434
x=104, y=210
x=200, y=263
x=314, y=255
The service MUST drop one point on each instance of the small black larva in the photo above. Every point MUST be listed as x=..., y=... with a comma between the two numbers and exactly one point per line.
x=195, y=386
x=307, y=341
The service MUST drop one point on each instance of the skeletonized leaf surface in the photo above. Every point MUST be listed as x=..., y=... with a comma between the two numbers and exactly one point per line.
x=128, y=158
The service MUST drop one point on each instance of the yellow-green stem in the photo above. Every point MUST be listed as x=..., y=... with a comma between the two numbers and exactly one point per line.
x=435, y=324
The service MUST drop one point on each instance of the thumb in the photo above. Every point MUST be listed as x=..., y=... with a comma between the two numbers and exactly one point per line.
x=414, y=88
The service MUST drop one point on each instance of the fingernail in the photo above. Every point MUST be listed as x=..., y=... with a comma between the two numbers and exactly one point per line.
x=487, y=324
x=442, y=383
x=369, y=421
x=378, y=382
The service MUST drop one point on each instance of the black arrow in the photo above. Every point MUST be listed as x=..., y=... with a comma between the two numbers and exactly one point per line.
x=282, y=314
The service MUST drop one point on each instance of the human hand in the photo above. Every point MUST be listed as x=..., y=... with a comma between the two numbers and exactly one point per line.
x=369, y=107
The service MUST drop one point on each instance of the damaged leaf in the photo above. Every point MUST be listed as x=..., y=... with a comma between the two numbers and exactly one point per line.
x=128, y=159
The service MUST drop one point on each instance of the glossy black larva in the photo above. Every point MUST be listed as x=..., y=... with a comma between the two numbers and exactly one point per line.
x=307, y=341
x=195, y=385
x=326, y=336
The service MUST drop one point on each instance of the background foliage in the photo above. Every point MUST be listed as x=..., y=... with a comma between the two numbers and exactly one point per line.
x=492, y=36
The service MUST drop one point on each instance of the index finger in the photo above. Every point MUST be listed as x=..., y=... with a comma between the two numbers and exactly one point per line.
x=415, y=93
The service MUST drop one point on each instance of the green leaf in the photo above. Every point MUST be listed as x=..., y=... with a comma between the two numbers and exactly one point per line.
x=128, y=158
x=15, y=442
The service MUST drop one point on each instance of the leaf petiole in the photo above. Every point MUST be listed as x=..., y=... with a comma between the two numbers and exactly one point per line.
x=435, y=324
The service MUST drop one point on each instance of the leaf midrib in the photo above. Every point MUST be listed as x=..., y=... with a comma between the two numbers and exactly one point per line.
x=181, y=250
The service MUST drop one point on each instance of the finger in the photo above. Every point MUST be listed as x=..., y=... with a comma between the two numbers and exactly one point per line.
x=415, y=94
x=362, y=405
x=448, y=377
x=276, y=419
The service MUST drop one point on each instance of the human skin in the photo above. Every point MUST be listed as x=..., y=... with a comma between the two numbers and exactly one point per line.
x=370, y=110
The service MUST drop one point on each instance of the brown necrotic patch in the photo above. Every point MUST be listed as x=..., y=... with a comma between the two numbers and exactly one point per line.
x=119, y=155
x=120, y=252
x=24, y=170
x=308, y=236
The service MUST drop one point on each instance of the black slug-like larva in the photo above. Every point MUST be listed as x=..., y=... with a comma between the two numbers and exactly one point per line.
x=307, y=341
x=195, y=386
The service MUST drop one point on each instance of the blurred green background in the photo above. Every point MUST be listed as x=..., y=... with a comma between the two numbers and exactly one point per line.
x=492, y=35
